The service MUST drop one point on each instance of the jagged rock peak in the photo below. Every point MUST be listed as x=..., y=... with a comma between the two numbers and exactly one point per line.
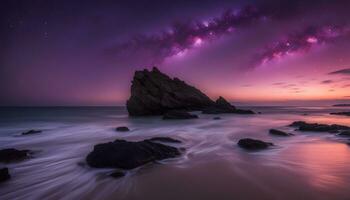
x=155, y=93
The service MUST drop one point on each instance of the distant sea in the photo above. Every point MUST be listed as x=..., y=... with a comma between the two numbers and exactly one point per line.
x=313, y=166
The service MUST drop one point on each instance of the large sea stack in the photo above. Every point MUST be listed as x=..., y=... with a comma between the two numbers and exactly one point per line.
x=155, y=93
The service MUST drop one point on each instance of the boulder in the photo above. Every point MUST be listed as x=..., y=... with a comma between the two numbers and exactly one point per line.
x=174, y=114
x=30, y=132
x=122, y=129
x=164, y=139
x=303, y=126
x=128, y=155
x=252, y=144
x=4, y=174
x=341, y=113
x=223, y=106
x=155, y=93
x=11, y=155
x=279, y=133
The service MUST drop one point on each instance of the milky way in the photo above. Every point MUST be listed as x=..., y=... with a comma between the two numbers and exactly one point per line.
x=184, y=36
x=301, y=42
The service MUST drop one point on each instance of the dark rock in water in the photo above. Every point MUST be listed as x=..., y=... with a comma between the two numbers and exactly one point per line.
x=122, y=128
x=217, y=118
x=345, y=133
x=155, y=93
x=342, y=105
x=30, y=132
x=10, y=155
x=128, y=155
x=334, y=128
x=4, y=174
x=252, y=144
x=279, y=133
x=222, y=106
x=117, y=174
x=341, y=113
x=175, y=114
x=164, y=139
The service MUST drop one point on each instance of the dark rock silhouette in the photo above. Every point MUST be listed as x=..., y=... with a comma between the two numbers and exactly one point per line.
x=252, y=144
x=175, y=114
x=341, y=105
x=341, y=113
x=117, y=174
x=345, y=133
x=128, y=155
x=4, y=174
x=334, y=128
x=155, y=93
x=11, y=155
x=223, y=106
x=279, y=133
x=122, y=129
x=216, y=118
x=164, y=139
x=30, y=132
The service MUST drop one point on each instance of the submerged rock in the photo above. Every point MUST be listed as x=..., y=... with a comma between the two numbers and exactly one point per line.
x=4, y=174
x=155, y=93
x=334, y=128
x=279, y=133
x=128, y=155
x=341, y=113
x=117, y=174
x=164, y=139
x=30, y=132
x=174, y=114
x=122, y=129
x=345, y=133
x=252, y=144
x=217, y=118
x=223, y=106
x=11, y=155
x=342, y=105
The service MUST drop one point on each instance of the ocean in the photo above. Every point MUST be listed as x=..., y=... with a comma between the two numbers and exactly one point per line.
x=309, y=165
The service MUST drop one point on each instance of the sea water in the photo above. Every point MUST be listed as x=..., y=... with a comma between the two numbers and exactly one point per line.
x=305, y=166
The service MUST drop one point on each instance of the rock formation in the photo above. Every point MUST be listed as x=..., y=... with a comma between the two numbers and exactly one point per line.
x=122, y=129
x=4, y=174
x=252, y=144
x=128, y=155
x=154, y=93
x=334, y=128
x=341, y=113
x=12, y=155
x=223, y=106
x=279, y=133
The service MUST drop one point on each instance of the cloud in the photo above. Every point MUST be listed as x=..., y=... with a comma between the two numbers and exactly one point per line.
x=345, y=71
x=327, y=82
x=346, y=86
x=279, y=83
x=347, y=96
x=301, y=41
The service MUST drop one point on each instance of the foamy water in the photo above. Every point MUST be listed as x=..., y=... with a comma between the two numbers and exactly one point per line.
x=305, y=166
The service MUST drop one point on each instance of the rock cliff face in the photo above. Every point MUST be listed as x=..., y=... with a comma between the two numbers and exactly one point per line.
x=155, y=93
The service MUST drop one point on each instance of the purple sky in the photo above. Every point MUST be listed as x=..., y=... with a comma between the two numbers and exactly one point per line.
x=85, y=52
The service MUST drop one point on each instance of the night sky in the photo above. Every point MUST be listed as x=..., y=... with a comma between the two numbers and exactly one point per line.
x=85, y=52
